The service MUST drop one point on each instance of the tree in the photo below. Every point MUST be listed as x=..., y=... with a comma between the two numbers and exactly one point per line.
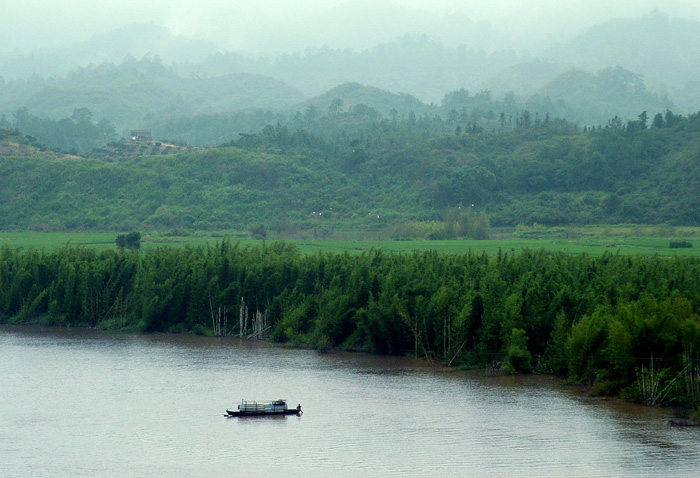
x=336, y=107
x=411, y=118
x=452, y=117
x=456, y=98
x=524, y=121
x=643, y=119
x=23, y=120
x=509, y=101
x=258, y=231
x=361, y=110
x=518, y=358
x=482, y=227
x=311, y=114
x=639, y=125
x=672, y=119
x=106, y=131
x=82, y=116
x=615, y=123
x=617, y=82
x=131, y=240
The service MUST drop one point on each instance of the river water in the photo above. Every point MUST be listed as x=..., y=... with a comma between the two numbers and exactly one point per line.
x=83, y=403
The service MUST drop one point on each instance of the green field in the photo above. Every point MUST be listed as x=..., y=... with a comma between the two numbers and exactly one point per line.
x=594, y=241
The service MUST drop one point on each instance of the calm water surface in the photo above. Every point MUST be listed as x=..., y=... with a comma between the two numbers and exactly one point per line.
x=81, y=403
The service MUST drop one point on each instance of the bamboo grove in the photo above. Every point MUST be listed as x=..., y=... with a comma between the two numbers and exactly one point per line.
x=626, y=325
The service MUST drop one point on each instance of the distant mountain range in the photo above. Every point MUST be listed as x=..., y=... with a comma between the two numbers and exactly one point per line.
x=129, y=93
x=136, y=40
x=662, y=49
x=143, y=71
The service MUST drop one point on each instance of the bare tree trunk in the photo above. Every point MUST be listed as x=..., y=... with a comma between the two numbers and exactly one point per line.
x=215, y=321
x=691, y=374
x=243, y=319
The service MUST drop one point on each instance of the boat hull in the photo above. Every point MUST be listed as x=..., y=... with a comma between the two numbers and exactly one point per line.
x=238, y=413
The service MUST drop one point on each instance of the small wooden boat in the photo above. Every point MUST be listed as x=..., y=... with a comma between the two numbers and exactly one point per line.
x=249, y=408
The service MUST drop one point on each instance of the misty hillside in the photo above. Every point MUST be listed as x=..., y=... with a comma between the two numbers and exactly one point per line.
x=352, y=94
x=415, y=64
x=525, y=79
x=205, y=97
x=209, y=111
x=425, y=59
x=611, y=92
x=127, y=93
x=662, y=49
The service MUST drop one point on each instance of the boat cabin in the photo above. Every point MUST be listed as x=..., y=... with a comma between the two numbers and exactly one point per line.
x=263, y=407
x=274, y=407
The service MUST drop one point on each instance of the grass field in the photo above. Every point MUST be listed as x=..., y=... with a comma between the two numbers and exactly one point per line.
x=594, y=240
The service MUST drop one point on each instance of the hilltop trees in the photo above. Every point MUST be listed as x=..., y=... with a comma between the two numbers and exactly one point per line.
x=78, y=134
x=131, y=240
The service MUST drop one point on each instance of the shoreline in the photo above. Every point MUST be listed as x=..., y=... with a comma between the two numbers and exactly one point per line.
x=581, y=391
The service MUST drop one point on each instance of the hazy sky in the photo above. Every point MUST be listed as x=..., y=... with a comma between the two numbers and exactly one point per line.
x=255, y=25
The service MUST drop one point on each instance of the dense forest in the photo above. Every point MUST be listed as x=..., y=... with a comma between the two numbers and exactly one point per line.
x=625, y=325
x=413, y=176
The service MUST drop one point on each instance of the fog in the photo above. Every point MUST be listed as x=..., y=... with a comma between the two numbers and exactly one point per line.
x=301, y=49
x=282, y=25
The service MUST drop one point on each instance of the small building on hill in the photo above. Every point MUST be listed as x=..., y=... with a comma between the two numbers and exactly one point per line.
x=141, y=135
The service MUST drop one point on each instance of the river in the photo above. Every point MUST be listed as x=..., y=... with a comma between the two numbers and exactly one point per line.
x=84, y=403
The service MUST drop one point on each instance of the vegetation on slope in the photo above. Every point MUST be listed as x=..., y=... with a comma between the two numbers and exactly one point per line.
x=379, y=174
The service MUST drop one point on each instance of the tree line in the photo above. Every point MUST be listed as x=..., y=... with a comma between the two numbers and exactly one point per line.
x=617, y=323
x=78, y=134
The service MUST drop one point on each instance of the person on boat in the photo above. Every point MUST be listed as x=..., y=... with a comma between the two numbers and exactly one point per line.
x=299, y=407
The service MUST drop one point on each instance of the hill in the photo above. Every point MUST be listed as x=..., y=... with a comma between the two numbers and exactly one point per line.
x=598, y=97
x=525, y=78
x=417, y=65
x=660, y=48
x=387, y=176
x=667, y=45
x=353, y=94
x=127, y=93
